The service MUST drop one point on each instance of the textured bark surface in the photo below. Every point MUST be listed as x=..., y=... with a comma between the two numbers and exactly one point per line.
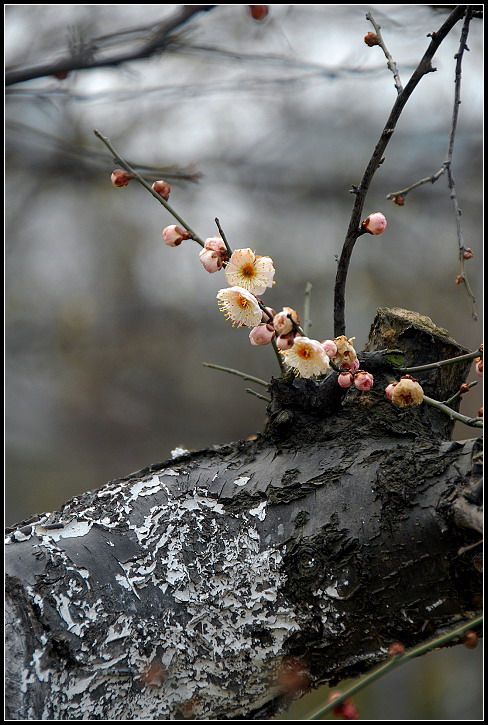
x=224, y=582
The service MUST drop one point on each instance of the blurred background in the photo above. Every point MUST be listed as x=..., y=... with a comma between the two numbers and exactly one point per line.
x=107, y=328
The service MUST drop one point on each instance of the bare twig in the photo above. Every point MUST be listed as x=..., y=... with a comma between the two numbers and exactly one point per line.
x=452, y=414
x=307, y=323
x=258, y=395
x=389, y=60
x=224, y=238
x=240, y=374
x=354, y=230
x=442, y=363
x=156, y=41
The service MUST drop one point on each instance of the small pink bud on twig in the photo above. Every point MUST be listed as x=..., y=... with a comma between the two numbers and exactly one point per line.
x=162, y=188
x=479, y=366
x=389, y=390
x=363, y=380
x=371, y=39
x=374, y=223
x=396, y=649
x=174, y=235
x=285, y=342
x=470, y=639
x=262, y=334
x=464, y=388
x=330, y=347
x=459, y=279
x=258, y=12
x=345, y=380
x=399, y=200
x=120, y=178
x=468, y=253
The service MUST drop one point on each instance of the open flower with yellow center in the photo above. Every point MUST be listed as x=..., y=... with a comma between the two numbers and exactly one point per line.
x=250, y=271
x=407, y=392
x=307, y=357
x=240, y=306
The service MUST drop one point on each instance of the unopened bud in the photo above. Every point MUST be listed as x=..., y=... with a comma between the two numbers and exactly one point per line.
x=468, y=253
x=470, y=639
x=120, y=177
x=399, y=200
x=464, y=388
x=363, y=380
x=285, y=342
x=162, y=188
x=374, y=223
x=459, y=279
x=262, y=334
x=479, y=366
x=345, y=380
x=330, y=347
x=61, y=75
x=174, y=235
x=389, y=390
x=258, y=12
x=480, y=413
x=396, y=649
x=371, y=39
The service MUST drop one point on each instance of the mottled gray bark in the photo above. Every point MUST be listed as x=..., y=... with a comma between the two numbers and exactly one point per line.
x=223, y=583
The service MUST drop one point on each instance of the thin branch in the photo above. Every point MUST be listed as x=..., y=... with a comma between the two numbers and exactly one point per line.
x=258, y=395
x=240, y=374
x=156, y=42
x=119, y=160
x=452, y=414
x=224, y=238
x=441, y=363
x=395, y=662
x=457, y=395
x=354, y=230
x=389, y=60
x=307, y=323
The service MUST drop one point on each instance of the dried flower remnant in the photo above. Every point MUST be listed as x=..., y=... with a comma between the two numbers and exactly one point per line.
x=374, y=223
x=399, y=200
x=468, y=253
x=174, y=235
x=407, y=392
x=239, y=306
x=250, y=271
x=120, y=178
x=262, y=334
x=162, y=188
x=371, y=39
x=345, y=356
x=307, y=357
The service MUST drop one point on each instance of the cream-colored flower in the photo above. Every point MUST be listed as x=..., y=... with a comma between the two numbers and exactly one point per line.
x=250, y=271
x=407, y=392
x=240, y=306
x=307, y=357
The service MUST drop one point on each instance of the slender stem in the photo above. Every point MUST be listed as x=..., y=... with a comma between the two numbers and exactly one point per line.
x=473, y=422
x=258, y=395
x=360, y=191
x=390, y=62
x=432, y=179
x=278, y=356
x=118, y=159
x=395, y=662
x=459, y=393
x=224, y=238
x=307, y=323
x=245, y=376
x=441, y=363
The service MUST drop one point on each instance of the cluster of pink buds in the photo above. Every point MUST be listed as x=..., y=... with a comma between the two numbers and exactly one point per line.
x=174, y=235
x=405, y=392
x=214, y=254
x=346, y=709
x=286, y=325
x=120, y=178
x=374, y=223
x=361, y=380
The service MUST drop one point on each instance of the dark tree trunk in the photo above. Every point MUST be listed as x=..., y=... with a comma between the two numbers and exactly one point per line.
x=223, y=583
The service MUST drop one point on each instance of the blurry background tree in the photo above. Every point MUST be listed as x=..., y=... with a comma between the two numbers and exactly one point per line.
x=107, y=328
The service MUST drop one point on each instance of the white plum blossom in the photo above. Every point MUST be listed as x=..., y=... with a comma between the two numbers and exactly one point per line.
x=239, y=306
x=307, y=357
x=250, y=271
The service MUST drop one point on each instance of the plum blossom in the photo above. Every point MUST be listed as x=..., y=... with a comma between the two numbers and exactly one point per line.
x=307, y=357
x=284, y=321
x=213, y=254
x=250, y=271
x=240, y=306
x=407, y=392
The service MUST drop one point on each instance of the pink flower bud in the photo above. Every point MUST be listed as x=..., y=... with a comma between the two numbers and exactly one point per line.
x=389, y=390
x=345, y=380
x=174, y=235
x=268, y=318
x=120, y=178
x=162, y=188
x=330, y=347
x=351, y=365
x=285, y=342
x=210, y=260
x=258, y=12
x=371, y=39
x=262, y=334
x=363, y=380
x=282, y=323
x=479, y=366
x=374, y=223
x=216, y=244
